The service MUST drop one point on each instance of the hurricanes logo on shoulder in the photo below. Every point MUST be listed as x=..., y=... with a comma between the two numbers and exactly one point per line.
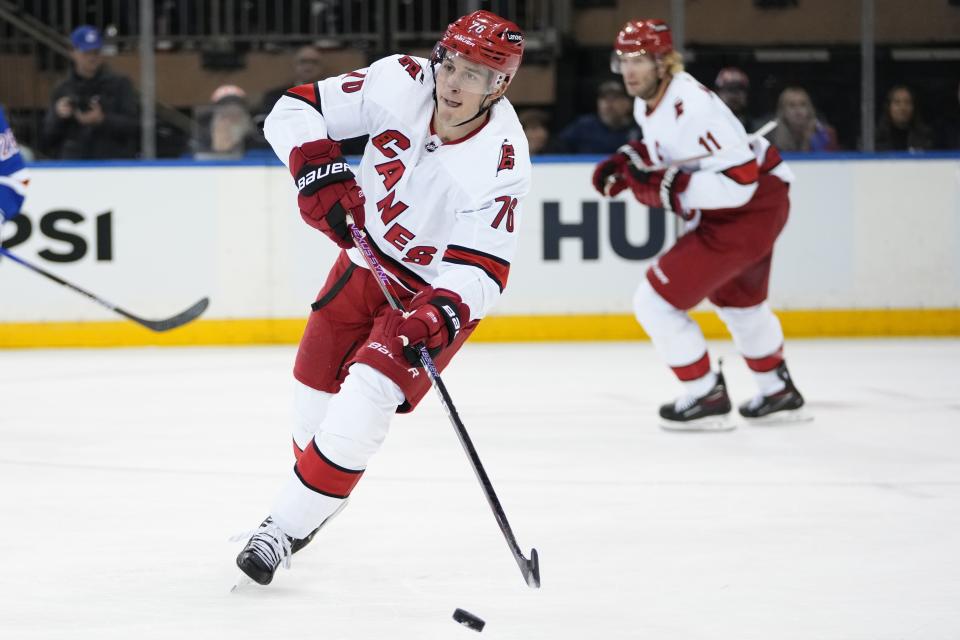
x=678, y=107
x=507, y=160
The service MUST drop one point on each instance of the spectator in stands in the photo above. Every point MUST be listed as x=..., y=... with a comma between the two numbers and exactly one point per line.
x=900, y=127
x=307, y=68
x=607, y=129
x=93, y=112
x=798, y=127
x=225, y=127
x=733, y=86
x=535, y=126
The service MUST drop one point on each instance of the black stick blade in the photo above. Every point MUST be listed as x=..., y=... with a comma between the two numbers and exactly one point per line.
x=531, y=570
x=172, y=322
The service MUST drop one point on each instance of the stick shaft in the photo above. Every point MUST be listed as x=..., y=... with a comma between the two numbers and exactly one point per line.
x=434, y=374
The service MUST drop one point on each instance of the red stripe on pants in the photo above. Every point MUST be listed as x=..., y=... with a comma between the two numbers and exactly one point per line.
x=694, y=370
x=297, y=451
x=316, y=472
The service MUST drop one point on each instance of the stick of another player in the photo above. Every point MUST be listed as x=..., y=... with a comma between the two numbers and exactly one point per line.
x=530, y=568
x=638, y=163
x=165, y=324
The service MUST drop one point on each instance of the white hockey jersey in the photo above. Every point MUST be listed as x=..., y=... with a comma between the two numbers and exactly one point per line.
x=440, y=214
x=690, y=120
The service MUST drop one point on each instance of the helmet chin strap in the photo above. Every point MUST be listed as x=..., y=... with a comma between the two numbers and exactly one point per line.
x=482, y=110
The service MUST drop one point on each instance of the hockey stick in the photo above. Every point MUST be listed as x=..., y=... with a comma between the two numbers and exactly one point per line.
x=530, y=568
x=639, y=165
x=166, y=324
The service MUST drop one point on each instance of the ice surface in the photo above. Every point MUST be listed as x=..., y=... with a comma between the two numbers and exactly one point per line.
x=124, y=472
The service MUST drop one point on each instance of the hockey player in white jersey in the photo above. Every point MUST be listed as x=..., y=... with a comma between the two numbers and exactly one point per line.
x=735, y=199
x=438, y=191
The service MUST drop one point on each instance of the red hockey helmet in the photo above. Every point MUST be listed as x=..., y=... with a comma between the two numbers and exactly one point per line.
x=650, y=37
x=487, y=39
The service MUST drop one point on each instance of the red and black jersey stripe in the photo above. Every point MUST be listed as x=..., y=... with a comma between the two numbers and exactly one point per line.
x=497, y=268
x=407, y=278
x=309, y=93
x=746, y=173
x=771, y=159
x=319, y=474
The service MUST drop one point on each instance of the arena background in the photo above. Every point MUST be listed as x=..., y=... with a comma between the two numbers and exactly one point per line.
x=861, y=255
x=871, y=248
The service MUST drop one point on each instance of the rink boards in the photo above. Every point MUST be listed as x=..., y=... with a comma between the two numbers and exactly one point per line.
x=872, y=248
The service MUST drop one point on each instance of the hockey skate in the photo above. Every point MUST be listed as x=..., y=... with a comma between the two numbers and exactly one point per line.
x=781, y=407
x=266, y=549
x=710, y=412
x=260, y=560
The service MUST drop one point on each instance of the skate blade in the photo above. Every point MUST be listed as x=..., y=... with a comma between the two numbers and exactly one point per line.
x=710, y=424
x=781, y=417
x=243, y=581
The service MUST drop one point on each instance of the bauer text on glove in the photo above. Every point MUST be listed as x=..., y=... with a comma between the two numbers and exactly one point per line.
x=328, y=190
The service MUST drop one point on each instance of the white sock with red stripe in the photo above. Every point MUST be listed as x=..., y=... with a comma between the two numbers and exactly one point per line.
x=356, y=423
x=759, y=337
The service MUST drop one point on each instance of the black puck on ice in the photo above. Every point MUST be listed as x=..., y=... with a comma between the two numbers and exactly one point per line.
x=467, y=619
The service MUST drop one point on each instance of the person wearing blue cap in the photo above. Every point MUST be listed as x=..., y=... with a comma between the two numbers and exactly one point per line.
x=93, y=112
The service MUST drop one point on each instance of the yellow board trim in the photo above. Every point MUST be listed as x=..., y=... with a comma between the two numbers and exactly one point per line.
x=834, y=323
